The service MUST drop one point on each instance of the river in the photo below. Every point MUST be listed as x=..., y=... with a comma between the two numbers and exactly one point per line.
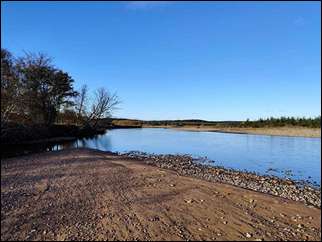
x=298, y=158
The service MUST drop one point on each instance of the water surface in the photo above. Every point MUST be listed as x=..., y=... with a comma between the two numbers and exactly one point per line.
x=295, y=157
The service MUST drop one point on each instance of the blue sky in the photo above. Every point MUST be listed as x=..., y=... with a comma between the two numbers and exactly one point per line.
x=215, y=61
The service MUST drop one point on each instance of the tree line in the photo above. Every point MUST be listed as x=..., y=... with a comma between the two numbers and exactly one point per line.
x=284, y=121
x=268, y=122
x=35, y=91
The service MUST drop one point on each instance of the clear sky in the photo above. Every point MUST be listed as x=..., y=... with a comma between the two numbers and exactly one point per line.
x=215, y=61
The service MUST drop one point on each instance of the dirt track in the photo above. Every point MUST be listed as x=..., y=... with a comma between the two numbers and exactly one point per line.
x=91, y=195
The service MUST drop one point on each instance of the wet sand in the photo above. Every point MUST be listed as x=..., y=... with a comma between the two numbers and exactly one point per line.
x=84, y=194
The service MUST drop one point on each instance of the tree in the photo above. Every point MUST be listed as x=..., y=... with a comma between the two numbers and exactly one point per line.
x=45, y=87
x=80, y=103
x=102, y=106
x=10, y=86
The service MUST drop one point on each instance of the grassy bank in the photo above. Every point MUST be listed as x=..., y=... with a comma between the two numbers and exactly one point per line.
x=275, y=131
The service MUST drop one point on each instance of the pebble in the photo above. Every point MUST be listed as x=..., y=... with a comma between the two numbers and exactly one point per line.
x=248, y=235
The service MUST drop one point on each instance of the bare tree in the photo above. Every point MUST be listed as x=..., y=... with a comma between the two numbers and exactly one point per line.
x=81, y=104
x=103, y=105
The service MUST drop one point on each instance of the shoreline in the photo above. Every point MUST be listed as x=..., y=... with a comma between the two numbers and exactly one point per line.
x=94, y=195
x=186, y=165
x=278, y=131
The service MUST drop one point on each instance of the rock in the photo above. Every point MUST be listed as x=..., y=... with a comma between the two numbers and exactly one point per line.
x=248, y=235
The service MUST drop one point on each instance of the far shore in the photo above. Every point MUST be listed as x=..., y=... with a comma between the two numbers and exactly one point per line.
x=276, y=131
x=86, y=194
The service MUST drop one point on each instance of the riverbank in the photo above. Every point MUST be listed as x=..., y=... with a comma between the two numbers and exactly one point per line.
x=22, y=134
x=92, y=195
x=276, y=131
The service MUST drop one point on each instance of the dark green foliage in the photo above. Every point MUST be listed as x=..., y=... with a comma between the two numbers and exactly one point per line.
x=45, y=88
x=284, y=121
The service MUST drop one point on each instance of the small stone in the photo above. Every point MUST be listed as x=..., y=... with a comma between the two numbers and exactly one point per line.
x=225, y=222
x=189, y=201
x=172, y=185
x=248, y=235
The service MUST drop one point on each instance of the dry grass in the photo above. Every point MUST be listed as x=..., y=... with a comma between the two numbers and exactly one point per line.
x=279, y=131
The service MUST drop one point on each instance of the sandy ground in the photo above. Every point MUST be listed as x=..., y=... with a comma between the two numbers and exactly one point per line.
x=86, y=194
x=281, y=131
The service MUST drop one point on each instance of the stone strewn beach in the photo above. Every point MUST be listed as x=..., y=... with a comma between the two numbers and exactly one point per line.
x=187, y=166
x=84, y=194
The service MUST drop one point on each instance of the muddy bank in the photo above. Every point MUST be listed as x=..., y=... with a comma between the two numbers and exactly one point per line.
x=84, y=194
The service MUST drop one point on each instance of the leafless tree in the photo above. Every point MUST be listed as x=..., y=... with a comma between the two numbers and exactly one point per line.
x=81, y=104
x=103, y=105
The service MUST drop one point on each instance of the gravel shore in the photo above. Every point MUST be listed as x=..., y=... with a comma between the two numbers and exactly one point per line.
x=85, y=194
x=188, y=166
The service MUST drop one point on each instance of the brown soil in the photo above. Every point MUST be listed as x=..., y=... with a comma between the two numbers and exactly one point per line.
x=84, y=194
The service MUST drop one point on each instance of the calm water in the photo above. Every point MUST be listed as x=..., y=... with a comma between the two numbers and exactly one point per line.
x=296, y=157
